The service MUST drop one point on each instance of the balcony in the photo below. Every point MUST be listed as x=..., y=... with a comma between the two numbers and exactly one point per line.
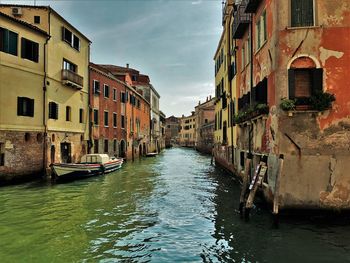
x=72, y=79
x=241, y=22
x=251, y=5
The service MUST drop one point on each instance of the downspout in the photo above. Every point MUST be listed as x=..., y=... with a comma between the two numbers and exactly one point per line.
x=89, y=106
x=230, y=81
x=251, y=81
x=45, y=161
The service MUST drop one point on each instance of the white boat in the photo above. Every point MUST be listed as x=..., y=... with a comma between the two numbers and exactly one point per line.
x=90, y=165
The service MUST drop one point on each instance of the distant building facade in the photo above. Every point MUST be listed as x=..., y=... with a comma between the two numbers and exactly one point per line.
x=204, y=126
x=172, y=128
x=187, y=130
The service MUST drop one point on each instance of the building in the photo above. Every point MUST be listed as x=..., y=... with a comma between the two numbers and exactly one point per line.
x=162, y=120
x=135, y=112
x=225, y=92
x=107, y=133
x=293, y=98
x=65, y=81
x=187, y=130
x=141, y=83
x=172, y=128
x=22, y=126
x=204, y=127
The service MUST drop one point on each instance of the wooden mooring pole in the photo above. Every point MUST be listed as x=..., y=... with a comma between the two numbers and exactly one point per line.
x=259, y=175
x=277, y=190
x=245, y=183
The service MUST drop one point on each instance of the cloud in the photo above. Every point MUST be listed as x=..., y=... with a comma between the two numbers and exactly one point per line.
x=197, y=2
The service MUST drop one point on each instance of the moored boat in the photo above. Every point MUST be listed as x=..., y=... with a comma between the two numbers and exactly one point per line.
x=90, y=165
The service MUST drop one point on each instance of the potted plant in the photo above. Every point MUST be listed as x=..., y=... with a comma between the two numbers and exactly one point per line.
x=287, y=104
x=321, y=101
x=262, y=108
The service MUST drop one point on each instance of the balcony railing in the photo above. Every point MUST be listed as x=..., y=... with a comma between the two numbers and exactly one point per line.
x=241, y=22
x=251, y=5
x=72, y=79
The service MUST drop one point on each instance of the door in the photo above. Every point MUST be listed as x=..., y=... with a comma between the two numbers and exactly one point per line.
x=66, y=152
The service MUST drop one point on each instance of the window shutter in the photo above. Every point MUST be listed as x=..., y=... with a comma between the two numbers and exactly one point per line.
x=19, y=106
x=317, y=80
x=291, y=83
x=63, y=37
x=31, y=108
x=35, y=52
x=23, y=47
x=56, y=110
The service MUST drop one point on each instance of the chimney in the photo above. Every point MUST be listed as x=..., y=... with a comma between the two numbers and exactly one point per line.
x=127, y=65
x=207, y=98
x=199, y=102
x=210, y=97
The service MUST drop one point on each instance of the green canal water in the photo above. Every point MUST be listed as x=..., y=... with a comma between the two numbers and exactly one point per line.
x=172, y=208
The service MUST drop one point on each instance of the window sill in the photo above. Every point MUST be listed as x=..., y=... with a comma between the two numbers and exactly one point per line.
x=261, y=47
x=302, y=27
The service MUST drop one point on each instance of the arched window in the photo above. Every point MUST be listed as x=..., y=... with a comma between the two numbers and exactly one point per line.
x=304, y=80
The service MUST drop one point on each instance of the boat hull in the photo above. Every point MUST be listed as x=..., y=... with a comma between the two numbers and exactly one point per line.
x=63, y=172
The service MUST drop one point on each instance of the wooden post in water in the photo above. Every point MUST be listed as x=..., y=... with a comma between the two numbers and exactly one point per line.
x=277, y=190
x=257, y=180
x=245, y=183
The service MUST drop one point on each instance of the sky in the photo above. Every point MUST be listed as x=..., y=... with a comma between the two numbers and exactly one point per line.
x=171, y=41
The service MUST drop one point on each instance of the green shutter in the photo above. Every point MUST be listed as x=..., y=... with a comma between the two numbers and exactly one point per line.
x=317, y=80
x=35, y=52
x=19, y=106
x=13, y=43
x=23, y=47
x=291, y=83
x=31, y=107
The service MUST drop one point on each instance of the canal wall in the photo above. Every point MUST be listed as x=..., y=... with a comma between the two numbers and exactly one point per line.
x=21, y=155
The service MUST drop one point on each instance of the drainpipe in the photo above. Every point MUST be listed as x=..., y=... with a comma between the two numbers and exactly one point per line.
x=251, y=80
x=89, y=106
x=44, y=96
x=230, y=82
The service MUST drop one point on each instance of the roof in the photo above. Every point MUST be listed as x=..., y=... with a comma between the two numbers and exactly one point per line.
x=118, y=69
x=48, y=8
x=34, y=28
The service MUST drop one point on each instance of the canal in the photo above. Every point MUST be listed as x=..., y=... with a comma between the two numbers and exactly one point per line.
x=172, y=208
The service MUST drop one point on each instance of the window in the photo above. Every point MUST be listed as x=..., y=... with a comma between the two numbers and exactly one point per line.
x=36, y=19
x=8, y=41
x=261, y=30
x=81, y=116
x=302, y=13
x=30, y=50
x=53, y=110
x=2, y=154
x=122, y=97
x=96, y=87
x=25, y=107
x=115, y=145
x=134, y=78
x=96, y=146
x=68, y=113
x=114, y=120
x=304, y=82
x=70, y=38
x=106, y=146
x=105, y=118
x=106, y=91
x=95, y=117
x=114, y=94
x=123, y=121
x=69, y=66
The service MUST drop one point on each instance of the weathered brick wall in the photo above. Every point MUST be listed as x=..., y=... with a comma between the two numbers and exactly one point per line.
x=23, y=154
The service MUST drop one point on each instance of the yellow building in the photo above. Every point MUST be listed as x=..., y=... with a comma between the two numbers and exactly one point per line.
x=65, y=84
x=21, y=115
x=225, y=92
x=187, y=130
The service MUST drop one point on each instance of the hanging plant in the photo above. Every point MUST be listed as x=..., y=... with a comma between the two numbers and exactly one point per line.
x=321, y=101
x=287, y=104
